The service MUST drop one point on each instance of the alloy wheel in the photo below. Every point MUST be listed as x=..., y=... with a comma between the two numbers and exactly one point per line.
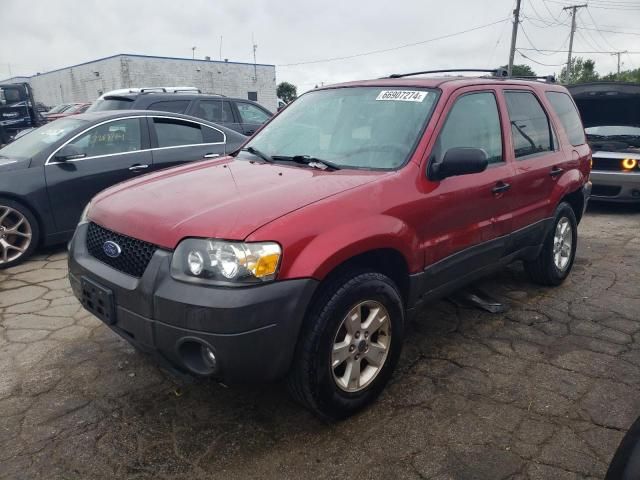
x=361, y=346
x=15, y=234
x=562, y=244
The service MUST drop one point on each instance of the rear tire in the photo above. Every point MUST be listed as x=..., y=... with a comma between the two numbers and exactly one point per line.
x=553, y=264
x=19, y=233
x=349, y=345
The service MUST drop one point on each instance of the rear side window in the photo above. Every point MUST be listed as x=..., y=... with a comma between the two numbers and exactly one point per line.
x=216, y=111
x=569, y=117
x=472, y=122
x=173, y=106
x=173, y=133
x=530, y=128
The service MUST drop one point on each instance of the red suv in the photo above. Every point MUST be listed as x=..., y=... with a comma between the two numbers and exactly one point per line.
x=305, y=253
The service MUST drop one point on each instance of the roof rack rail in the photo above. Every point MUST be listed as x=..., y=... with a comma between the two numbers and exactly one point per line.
x=545, y=78
x=168, y=90
x=500, y=72
x=496, y=72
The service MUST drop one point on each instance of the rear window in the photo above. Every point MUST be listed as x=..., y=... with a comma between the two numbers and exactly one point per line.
x=173, y=106
x=569, y=117
x=174, y=133
x=111, y=103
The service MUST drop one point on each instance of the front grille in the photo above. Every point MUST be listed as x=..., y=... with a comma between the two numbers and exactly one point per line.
x=605, y=190
x=135, y=254
x=607, y=164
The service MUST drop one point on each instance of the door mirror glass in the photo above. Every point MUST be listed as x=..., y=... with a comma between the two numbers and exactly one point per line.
x=69, y=152
x=460, y=161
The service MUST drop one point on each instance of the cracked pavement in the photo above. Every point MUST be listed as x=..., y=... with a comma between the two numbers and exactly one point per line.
x=545, y=390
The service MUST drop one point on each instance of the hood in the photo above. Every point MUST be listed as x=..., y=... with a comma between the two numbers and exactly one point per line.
x=608, y=103
x=8, y=164
x=227, y=199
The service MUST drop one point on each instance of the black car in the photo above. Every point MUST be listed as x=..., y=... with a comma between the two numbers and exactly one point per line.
x=241, y=115
x=48, y=176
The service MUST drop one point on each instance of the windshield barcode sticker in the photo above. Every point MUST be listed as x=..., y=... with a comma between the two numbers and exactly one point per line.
x=402, y=95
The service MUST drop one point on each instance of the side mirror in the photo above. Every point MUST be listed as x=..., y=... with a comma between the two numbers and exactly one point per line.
x=459, y=161
x=69, y=152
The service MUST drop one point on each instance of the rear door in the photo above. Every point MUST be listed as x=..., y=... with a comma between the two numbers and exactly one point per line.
x=115, y=150
x=465, y=214
x=538, y=159
x=251, y=116
x=176, y=141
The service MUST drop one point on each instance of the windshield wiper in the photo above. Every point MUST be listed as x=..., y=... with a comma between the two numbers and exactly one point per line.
x=313, y=162
x=258, y=153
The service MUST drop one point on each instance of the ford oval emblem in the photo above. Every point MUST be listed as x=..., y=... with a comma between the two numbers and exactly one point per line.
x=111, y=249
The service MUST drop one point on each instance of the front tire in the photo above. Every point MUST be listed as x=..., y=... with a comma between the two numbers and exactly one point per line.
x=19, y=233
x=553, y=264
x=349, y=346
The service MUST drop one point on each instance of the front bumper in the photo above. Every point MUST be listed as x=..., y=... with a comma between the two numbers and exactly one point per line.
x=615, y=186
x=252, y=331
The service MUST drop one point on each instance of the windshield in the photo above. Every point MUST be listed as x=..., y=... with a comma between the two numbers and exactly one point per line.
x=40, y=138
x=360, y=127
x=110, y=103
x=613, y=131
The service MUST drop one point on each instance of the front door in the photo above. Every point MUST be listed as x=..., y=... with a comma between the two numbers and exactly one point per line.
x=464, y=216
x=113, y=151
x=251, y=116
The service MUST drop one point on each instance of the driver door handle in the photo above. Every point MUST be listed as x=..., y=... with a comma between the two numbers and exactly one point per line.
x=501, y=187
x=137, y=167
x=211, y=155
x=555, y=171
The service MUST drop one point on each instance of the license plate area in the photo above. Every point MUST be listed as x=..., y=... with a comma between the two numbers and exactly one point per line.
x=98, y=300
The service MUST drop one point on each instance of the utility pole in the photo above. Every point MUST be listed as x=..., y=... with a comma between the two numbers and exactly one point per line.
x=193, y=53
x=618, y=54
x=514, y=36
x=255, y=68
x=573, y=9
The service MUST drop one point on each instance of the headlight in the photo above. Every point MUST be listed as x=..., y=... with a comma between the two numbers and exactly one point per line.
x=211, y=261
x=85, y=212
x=629, y=163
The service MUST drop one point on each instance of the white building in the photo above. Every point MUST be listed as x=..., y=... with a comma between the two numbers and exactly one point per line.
x=87, y=81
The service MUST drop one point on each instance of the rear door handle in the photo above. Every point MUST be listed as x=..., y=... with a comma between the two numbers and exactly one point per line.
x=138, y=167
x=211, y=155
x=501, y=187
x=555, y=171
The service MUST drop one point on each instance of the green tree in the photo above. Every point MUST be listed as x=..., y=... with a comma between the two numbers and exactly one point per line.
x=521, y=70
x=582, y=71
x=287, y=91
x=624, y=76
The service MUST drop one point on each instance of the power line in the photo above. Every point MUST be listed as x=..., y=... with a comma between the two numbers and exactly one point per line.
x=576, y=51
x=373, y=52
x=599, y=32
x=539, y=63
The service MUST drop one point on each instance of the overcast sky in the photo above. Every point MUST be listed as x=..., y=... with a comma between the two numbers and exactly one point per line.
x=40, y=35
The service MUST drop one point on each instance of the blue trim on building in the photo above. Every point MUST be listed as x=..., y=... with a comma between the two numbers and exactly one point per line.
x=137, y=56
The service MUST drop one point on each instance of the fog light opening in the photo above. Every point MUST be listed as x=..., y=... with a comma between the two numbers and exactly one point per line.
x=198, y=357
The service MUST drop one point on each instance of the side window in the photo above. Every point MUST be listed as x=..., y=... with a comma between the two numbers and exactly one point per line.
x=216, y=111
x=173, y=133
x=473, y=121
x=173, y=106
x=118, y=136
x=530, y=128
x=569, y=117
x=211, y=135
x=251, y=114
